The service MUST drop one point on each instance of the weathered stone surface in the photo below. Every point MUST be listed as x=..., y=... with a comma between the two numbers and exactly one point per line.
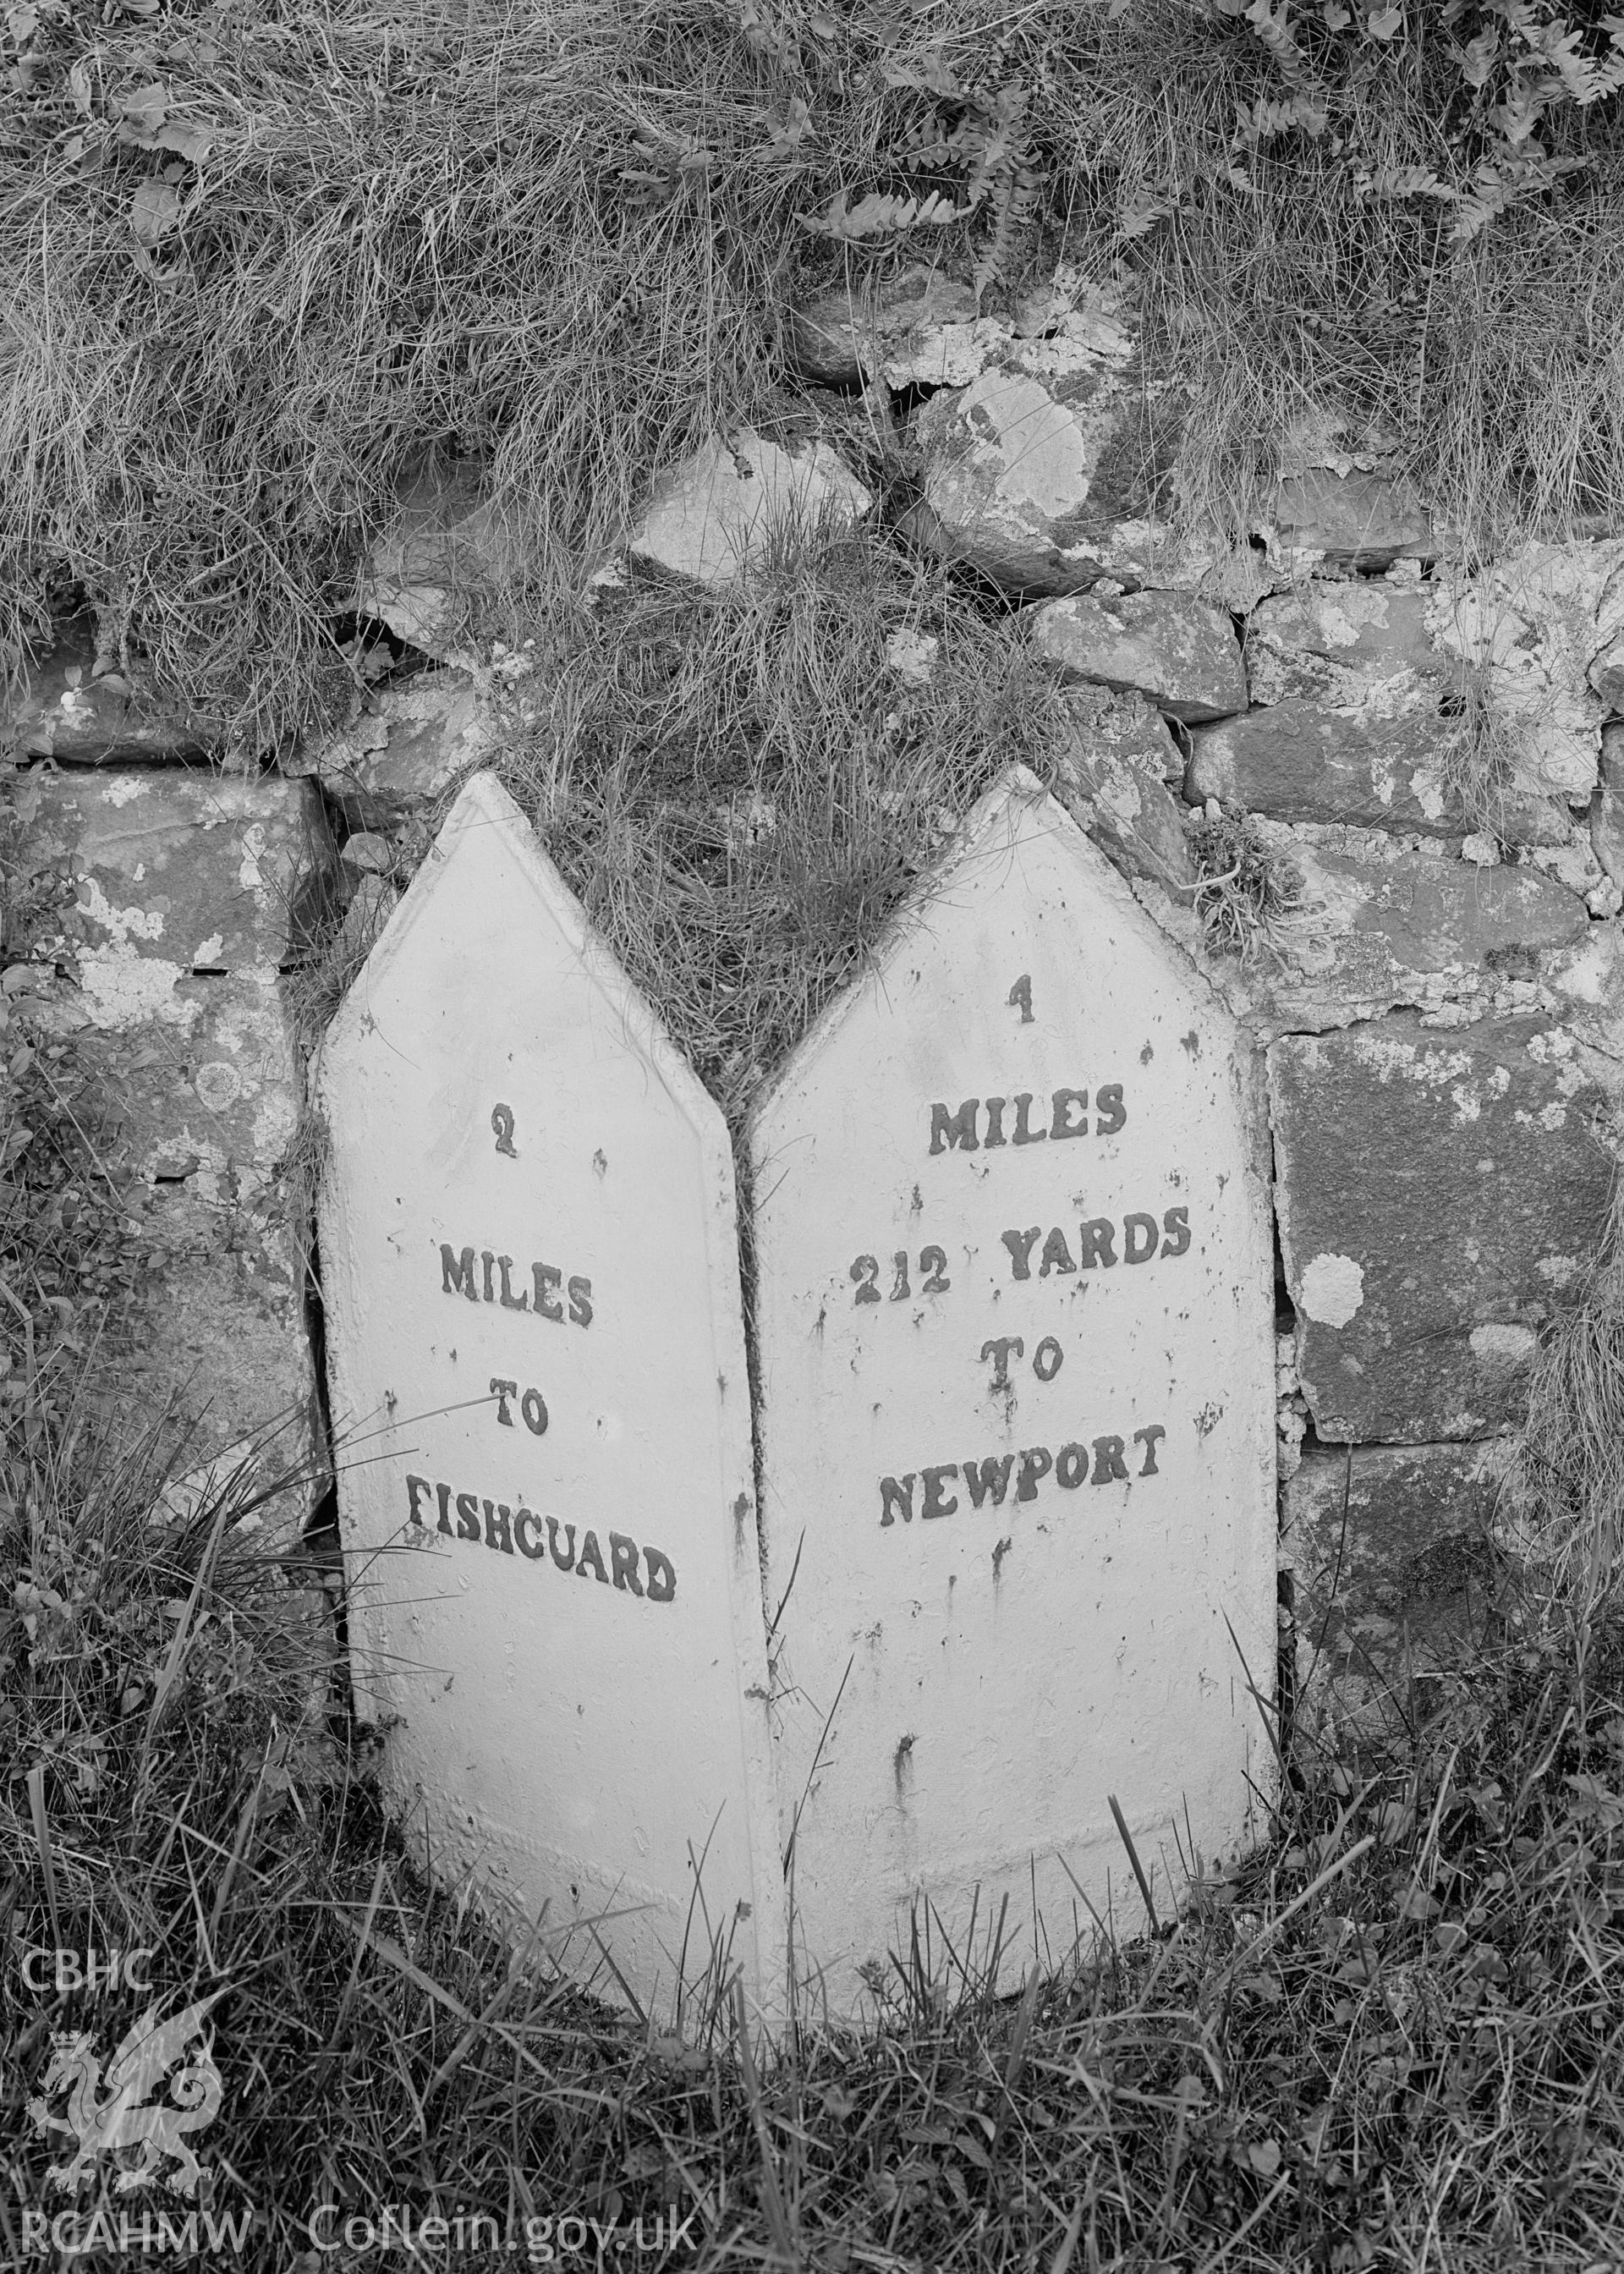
x=1179, y=652
x=408, y=748
x=1606, y=675
x=1042, y=474
x=494, y=1081
x=68, y=710
x=1112, y=778
x=1355, y=519
x=1436, y=1193
x=1390, y=1551
x=1341, y=642
x=721, y=511
x=1532, y=629
x=926, y=330
x=443, y=554
x=842, y=337
x=963, y=1320
x=181, y=923
x=1380, y=927
x=1297, y=761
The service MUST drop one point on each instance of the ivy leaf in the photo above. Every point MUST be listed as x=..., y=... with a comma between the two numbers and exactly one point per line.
x=1386, y=24
x=154, y=210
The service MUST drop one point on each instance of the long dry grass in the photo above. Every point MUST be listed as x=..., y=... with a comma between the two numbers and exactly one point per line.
x=258, y=264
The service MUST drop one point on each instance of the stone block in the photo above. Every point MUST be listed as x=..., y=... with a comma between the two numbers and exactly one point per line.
x=842, y=337
x=1112, y=777
x=1355, y=520
x=1532, y=630
x=408, y=748
x=1009, y=1384
x=176, y=873
x=1294, y=761
x=181, y=923
x=1393, y=1571
x=1178, y=652
x=1606, y=677
x=1381, y=926
x=1042, y=474
x=66, y=708
x=721, y=512
x=1344, y=641
x=443, y=554
x=551, y=1539
x=1439, y=1195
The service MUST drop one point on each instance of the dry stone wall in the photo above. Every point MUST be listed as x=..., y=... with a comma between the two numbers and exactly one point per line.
x=1426, y=750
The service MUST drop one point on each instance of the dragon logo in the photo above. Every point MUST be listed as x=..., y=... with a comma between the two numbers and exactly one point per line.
x=111, y=2116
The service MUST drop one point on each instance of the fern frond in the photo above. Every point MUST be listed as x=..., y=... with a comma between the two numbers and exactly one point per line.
x=1263, y=121
x=883, y=214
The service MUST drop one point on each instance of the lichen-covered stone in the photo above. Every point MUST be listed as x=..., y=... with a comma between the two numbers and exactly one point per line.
x=1353, y=520
x=1380, y=926
x=1341, y=641
x=68, y=709
x=1378, y=766
x=842, y=337
x=1533, y=629
x=179, y=927
x=1393, y=1568
x=720, y=512
x=1043, y=471
x=1606, y=675
x=1438, y=1194
x=406, y=749
x=1112, y=777
x=1178, y=652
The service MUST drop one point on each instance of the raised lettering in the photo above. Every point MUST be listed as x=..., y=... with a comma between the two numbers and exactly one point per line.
x=1109, y=1105
x=990, y=1477
x=1095, y=1242
x=998, y=1350
x=502, y=1391
x=580, y=1292
x=1047, y=1358
x=662, y=1575
x=442, y=1494
x=1071, y=1465
x=564, y=1563
x=499, y=1527
x=526, y=1528
x=467, y=1515
x=535, y=1413
x=1035, y=1461
x=509, y=1300
x=1063, y=1125
x=950, y=1129
x=934, y=1504
x=1140, y=1235
x=1020, y=1245
x=456, y=1272
x=1108, y=1466
x=414, y=1486
x=591, y=1558
x=897, y=1492
x=995, y=1121
x=623, y=1557
x=1175, y=1223
x=487, y=1264
x=548, y=1279
x=1150, y=1439
x=1024, y=1133
x=1057, y=1254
